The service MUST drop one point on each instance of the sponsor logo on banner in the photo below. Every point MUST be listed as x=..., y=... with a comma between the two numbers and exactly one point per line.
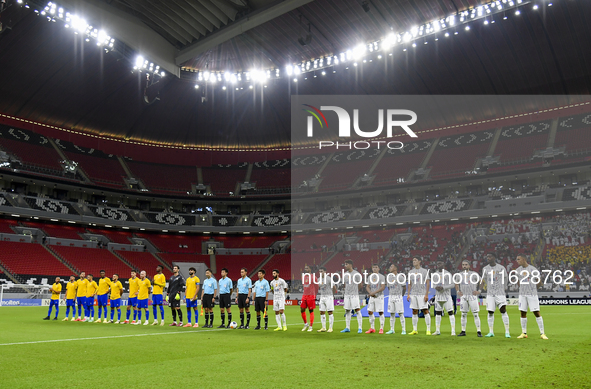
x=513, y=302
x=22, y=303
x=565, y=301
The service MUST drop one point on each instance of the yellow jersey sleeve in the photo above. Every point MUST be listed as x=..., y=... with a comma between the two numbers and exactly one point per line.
x=116, y=288
x=71, y=288
x=104, y=284
x=159, y=283
x=82, y=286
x=91, y=288
x=55, y=293
x=133, y=286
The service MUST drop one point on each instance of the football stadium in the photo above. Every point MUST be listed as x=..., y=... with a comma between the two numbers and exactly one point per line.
x=295, y=193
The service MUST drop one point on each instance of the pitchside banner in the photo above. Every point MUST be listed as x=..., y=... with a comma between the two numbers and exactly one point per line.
x=565, y=301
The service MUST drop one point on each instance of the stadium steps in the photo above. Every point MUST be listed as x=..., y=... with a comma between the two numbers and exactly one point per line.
x=493, y=144
x=465, y=237
x=248, y=172
x=553, y=132
x=427, y=158
x=539, y=251
x=62, y=260
x=8, y=273
x=63, y=156
x=122, y=259
x=162, y=261
x=260, y=265
x=11, y=200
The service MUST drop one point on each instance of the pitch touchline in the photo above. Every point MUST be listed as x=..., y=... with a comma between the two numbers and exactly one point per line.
x=130, y=336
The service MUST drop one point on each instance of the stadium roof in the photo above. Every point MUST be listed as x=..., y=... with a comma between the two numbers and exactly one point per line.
x=48, y=74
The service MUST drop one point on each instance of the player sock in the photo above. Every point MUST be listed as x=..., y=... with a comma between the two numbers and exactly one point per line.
x=372, y=320
x=540, y=324
x=415, y=322
x=278, y=320
x=155, y=312
x=266, y=321
x=524, y=325
x=173, y=315
x=248, y=318
x=382, y=321
x=464, y=321
x=242, y=319
x=57, y=311
x=135, y=311
x=147, y=315
x=402, y=321
x=304, y=317
x=211, y=319
x=180, y=312
x=348, y=319
x=223, y=315
x=127, y=314
x=428, y=322
x=50, y=309
x=323, y=320
x=284, y=320
x=311, y=318
x=207, y=318
x=139, y=316
x=100, y=312
x=118, y=313
x=452, y=322
x=189, y=315
x=67, y=311
x=112, y=313
x=161, y=312
x=437, y=322
x=229, y=318
x=491, y=323
x=392, y=321
x=476, y=321
x=330, y=320
x=258, y=321
x=359, y=320
x=506, y=321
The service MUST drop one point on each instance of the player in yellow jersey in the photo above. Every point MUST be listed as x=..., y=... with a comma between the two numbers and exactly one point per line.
x=56, y=289
x=132, y=299
x=70, y=298
x=91, y=289
x=116, y=290
x=145, y=287
x=102, y=295
x=82, y=283
x=158, y=295
x=191, y=297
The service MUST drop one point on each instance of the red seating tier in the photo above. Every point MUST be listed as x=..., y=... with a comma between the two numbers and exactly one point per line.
x=160, y=176
x=32, y=153
x=57, y=231
x=235, y=262
x=333, y=176
x=520, y=148
x=5, y=225
x=171, y=243
x=271, y=178
x=170, y=258
x=249, y=241
x=391, y=168
x=31, y=258
x=457, y=158
x=281, y=262
x=98, y=168
x=143, y=261
x=115, y=236
x=577, y=139
x=223, y=180
x=92, y=261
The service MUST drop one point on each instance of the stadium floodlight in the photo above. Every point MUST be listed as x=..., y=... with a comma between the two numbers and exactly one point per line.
x=139, y=61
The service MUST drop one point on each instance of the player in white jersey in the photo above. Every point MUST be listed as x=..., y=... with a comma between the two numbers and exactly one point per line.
x=442, y=282
x=375, y=288
x=395, y=303
x=494, y=276
x=528, y=295
x=279, y=289
x=469, y=297
x=352, y=280
x=418, y=295
x=326, y=304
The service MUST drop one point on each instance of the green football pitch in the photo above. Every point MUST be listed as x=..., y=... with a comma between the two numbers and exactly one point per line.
x=36, y=353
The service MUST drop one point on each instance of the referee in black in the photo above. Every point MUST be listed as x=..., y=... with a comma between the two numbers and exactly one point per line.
x=175, y=288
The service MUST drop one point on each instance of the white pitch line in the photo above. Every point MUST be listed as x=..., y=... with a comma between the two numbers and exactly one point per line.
x=129, y=336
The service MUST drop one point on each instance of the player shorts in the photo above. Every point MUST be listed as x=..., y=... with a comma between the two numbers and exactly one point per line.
x=278, y=304
x=326, y=304
x=208, y=301
x=351, y=303
x=191, y=303
x=70, y=303
x=259, y=304
x=226, y=300
x=531, y=302
x=396, y=305
x=157, y=299
x=418, y=303
x=308, y=302
x=376, y=304
x=81, y=301
x=469, y=305
x=174, y=303
x=495, y=301
x=102, y=299
x=116, y=303
x=142, y=303
x=89, y=301
x=242, y=301
x=54, y=303
x=447, y=305
x=132, y=302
